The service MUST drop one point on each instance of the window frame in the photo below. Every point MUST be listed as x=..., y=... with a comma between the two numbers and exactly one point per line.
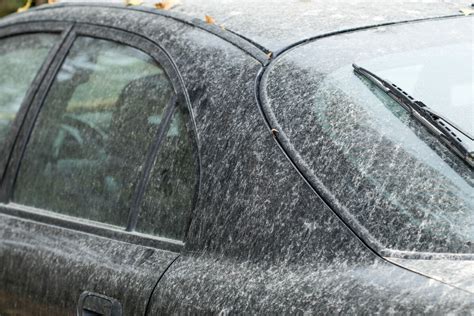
x=59, y=28
x=30, y=115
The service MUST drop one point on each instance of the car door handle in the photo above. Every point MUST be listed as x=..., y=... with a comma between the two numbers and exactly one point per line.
x=93, y=304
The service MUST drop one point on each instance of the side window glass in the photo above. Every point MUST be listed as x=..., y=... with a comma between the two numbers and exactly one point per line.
x=20, y=59
x=167, y=203
x=91, y=139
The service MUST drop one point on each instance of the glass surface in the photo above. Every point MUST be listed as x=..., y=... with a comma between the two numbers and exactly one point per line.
x=167, y=203
x=396, y=181
x=441, y=76
x=20, y=59
x=91, y=139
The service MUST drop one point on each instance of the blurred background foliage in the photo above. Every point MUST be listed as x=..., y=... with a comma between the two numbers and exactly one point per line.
x=10, y=6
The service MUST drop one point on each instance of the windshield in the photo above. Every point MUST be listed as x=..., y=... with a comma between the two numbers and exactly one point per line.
x=394, y=180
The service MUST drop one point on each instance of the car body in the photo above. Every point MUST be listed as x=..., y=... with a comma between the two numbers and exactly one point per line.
x=251, y=208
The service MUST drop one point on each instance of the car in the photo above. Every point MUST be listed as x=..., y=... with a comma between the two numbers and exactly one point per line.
x=237, y=157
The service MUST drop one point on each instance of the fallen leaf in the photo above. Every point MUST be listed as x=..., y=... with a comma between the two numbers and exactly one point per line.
x=166, y=4
x=133, y=2
x=210, y=19
x=25, y=7
x=269, y=55
x=467, y=11
x=274, y=132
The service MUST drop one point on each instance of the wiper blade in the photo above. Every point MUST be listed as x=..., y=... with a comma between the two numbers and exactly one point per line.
x=449, y=133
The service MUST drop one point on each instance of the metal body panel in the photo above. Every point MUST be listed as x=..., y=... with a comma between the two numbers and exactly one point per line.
x=46, y=268
x=274, y=25
x=277, y=24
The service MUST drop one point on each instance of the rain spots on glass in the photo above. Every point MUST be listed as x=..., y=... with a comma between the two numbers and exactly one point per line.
x=387, y=173
x=20, y=59
x=90, y=142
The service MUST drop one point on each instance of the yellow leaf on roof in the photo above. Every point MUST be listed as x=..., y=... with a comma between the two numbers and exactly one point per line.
x=467, y=11
x=133, y=2
x=166, y=4
x=210, y=19
x=25, y=7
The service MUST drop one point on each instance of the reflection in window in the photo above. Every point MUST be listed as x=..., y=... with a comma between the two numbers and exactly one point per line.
x=91, y=139
x=20, y=59
x=167, y=203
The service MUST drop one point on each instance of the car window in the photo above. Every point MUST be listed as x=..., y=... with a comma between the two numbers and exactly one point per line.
x=167, y=203
x=397, y=179
x=20, y=59
x=90, y=142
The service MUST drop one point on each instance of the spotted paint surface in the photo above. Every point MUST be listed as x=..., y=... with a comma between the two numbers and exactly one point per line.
x=261, y=239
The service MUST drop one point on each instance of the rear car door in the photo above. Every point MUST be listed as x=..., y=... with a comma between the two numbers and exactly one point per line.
x=100, y=172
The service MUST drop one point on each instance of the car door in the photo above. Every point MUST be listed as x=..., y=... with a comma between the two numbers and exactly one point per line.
x=101, y=175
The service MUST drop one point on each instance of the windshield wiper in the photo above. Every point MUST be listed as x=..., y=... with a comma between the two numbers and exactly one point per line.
x=449, y=133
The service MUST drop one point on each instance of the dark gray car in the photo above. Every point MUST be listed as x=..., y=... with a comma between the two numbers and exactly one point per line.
x=290, y=158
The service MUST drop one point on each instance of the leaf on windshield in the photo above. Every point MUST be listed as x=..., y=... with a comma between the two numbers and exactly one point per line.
x=166, y=4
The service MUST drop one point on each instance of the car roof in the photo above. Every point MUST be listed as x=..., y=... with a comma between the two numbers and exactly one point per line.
x=274, y=25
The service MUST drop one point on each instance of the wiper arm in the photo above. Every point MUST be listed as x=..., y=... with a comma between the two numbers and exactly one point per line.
x=440, y=126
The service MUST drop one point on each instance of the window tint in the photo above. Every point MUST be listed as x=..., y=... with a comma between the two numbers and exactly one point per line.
x=91, y=139
x=20, y=59
x=167, y=203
